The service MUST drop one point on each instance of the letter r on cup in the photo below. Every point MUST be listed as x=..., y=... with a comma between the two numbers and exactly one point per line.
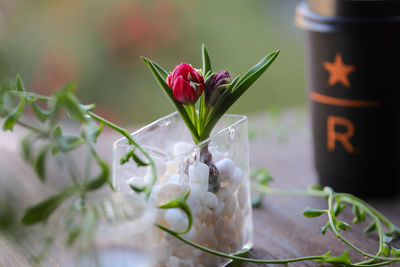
x=342, y=137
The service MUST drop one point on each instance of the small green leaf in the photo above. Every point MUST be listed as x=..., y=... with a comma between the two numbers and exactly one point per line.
x=131, y=154
x=206, y=60
x=385, y=250
x=325, y=257
x=137, y=189
x=180, y=203
x=343, y=225
x=14, y=115
x=324, y=228
x=395, y=252
x=340, y=260
x=39, y=164
x=312, y=213
x=26, y=148
x=316, y=187
x=40, y=113
x=338, y=208
x=73, y=235
x=370, y=227
x=41, y=211
x=68, y=143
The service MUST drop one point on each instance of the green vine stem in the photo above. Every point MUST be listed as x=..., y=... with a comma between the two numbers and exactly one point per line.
x=232, y=256
x=128, y=136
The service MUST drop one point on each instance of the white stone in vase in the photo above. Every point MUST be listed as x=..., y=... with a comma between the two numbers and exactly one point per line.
x=226, y=167
x=182, y=147
x=160, y=165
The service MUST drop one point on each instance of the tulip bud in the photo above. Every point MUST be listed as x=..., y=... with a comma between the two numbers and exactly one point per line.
x=186, y=83
x=215, y=86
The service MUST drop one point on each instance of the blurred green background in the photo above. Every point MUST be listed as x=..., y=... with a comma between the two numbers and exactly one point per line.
x=99, y=42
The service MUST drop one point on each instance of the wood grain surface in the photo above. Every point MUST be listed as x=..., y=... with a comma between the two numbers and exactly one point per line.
x=280, y=229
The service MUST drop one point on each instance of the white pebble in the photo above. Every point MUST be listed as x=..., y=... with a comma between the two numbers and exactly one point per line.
x=223, y=193
x=176, y=220
x=177, y=262
x=198, y=173
x=182, y=147
x=242, y=196
x=238, y=175
x=221, y=206
x=198, y=191
x=226, y=167
x=195, y=206
x=172, y=167
x=211, y=200
x=219, y=225
x=179, y=178
x=169, y=190
x=230, y=205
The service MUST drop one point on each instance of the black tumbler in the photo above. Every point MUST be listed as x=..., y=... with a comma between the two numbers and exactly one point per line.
x=353, y=75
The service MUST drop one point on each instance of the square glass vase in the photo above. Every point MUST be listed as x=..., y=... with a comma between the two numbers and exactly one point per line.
x=217, y=173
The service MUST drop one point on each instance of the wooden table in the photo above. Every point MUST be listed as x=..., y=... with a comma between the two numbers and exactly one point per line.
x=281, y=231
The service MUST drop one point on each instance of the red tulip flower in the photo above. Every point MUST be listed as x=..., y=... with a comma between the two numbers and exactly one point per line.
x=186, y=83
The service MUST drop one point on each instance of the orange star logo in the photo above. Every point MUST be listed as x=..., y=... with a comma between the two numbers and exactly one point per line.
x=338, y=71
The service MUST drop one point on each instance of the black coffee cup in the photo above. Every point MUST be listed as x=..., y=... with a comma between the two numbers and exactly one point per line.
x=353, y=75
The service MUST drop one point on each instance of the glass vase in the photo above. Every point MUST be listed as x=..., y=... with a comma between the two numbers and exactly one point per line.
x=217, y=173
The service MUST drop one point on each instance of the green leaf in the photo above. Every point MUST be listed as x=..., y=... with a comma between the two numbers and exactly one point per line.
x=180, y=203
x=324, y=228
x=242, y=85
x=242, y=254
x=13, y=117
x=325, y=257
x=131, y=154
x=101, y=179
x=39, y=164
x=41, y=211
x=385, y=250
x=316, y=187
x=359, y=215
x=57, y=132
x=95, y=133
x=69, y=101
x=73, y=235
x=343, y=225
x=370, y=227
x=340, y=260
x=68, y=143
x=312, y=213
x=206, y=60
x=395, y=252
x=26, y=148
x=160, y=78
x=40, y=113
x=137, y=189
x=338, y=208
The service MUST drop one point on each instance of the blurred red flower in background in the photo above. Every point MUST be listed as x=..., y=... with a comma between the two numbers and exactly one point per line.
x=134, y=27
x=52, y=71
